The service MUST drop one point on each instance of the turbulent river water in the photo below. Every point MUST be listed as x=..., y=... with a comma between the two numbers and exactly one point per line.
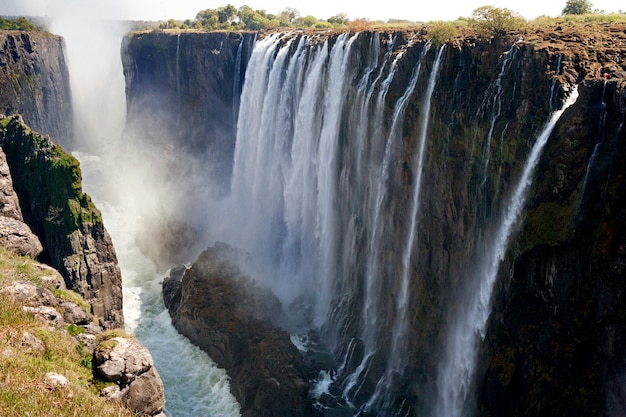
x=194, y=385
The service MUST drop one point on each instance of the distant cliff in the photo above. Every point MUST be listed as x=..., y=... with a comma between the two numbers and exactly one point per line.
x=34, y=81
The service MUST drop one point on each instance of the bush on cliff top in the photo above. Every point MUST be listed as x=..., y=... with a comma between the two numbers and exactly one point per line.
x=21, y=23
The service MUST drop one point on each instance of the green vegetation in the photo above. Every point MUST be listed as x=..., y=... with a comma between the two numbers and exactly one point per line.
x=490, y=21
x=23, y=366
x=20, y=23
x=45, y=166
x=245, y=18
x=577, y=7
x=441, y=32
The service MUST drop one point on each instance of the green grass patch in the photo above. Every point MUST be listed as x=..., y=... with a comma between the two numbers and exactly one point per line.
x=23, y=391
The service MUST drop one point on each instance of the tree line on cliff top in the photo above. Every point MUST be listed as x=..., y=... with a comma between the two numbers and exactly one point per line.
x=486, y=21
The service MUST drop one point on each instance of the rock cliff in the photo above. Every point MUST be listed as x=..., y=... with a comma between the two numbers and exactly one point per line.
x=182, y=90
x=34, y=81
x=14, y=233
x=47, y=182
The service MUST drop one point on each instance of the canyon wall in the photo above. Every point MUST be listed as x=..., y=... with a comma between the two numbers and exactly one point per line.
x=374, y=175
x=34, y=81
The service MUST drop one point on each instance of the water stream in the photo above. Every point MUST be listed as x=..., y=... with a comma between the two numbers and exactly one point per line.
x=469, y=326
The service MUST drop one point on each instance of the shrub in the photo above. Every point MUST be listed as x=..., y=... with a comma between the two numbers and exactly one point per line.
x=441, y=32
x=360, y=25
x=489, y=21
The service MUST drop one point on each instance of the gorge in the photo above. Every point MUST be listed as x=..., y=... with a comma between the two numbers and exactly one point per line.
x=448, y=220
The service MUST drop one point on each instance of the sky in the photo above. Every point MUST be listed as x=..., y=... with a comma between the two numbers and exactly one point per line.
x=374, y=10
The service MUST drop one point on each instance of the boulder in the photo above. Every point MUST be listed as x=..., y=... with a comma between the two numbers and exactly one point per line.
x=30, y=294
x=52, y=380
x=126, y=362
x=75, y=314
x=232, y=318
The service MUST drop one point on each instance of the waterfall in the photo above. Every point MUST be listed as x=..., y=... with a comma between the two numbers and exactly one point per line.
x=372, y=297
x=178, y=101
x=312, y=178
x=237, y=76
x=557, y=71
x=495, y=93
x=396, y=361
x=459, y=361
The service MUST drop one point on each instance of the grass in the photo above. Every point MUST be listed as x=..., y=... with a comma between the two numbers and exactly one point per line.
x=22, y=368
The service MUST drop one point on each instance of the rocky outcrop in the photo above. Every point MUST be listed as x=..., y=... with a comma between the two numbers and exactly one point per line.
x=14, y=233
x=230, y=317
x=48, y=184
x=121, y=360
x=34, y=81
x=127, y=363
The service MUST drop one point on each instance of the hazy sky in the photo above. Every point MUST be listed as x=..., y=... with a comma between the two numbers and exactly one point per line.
x=376, y=10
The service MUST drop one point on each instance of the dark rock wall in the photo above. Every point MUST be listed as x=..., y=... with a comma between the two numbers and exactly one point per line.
x=182, y=93
x=34, y=81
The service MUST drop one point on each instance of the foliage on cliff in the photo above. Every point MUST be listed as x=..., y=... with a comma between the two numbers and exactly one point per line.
x=21, y=23
x=47, y=167
x=30, y=348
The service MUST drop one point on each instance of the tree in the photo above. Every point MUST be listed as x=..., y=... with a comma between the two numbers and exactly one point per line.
x=208, y=18
x=493, y=21
x=291, y=13
x=577, y=7
x=339, y=19
x=227, y=13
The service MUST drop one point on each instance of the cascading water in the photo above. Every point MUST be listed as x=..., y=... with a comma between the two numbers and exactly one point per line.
x=313, y=172
x=372, y=299
x=494, y=98
x=468, y=327
x=396, y=361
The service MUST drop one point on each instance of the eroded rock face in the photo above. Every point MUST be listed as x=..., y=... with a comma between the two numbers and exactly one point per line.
x=229, y=316
x=48, y=184
x=129, y=364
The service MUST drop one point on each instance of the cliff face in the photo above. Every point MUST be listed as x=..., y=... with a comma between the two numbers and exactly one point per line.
x=48, y=184
x=34, y=81
x=379, y=171
x=182, y=91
